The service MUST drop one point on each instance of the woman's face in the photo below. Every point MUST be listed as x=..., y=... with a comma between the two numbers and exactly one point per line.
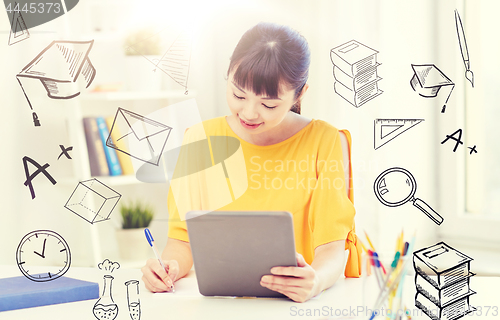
x=258, y=113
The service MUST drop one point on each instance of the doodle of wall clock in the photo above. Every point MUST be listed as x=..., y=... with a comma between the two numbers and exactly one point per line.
x=43, y=255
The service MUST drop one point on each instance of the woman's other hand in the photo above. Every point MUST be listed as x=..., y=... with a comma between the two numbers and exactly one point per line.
x=299, y=283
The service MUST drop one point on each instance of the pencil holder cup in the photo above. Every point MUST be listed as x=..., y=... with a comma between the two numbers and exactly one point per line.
x=381, y=279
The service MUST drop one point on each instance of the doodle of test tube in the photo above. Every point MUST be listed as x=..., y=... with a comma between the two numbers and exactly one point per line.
x=134, y=304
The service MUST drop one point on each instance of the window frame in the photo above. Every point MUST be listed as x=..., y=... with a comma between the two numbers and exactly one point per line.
x=461, y=226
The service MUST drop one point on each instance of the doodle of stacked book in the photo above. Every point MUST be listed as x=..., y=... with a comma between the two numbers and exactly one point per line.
x=442, y=276
x=355, y=72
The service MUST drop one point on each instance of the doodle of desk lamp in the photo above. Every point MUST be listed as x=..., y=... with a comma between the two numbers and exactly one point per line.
x=397, y=186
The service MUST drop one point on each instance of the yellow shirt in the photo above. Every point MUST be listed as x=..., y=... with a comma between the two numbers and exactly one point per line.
x=303, y=175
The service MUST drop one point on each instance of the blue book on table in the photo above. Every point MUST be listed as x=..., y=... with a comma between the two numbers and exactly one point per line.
x=20, y=292
x=114, y=165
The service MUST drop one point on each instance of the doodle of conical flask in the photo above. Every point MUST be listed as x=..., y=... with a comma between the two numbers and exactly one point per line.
x=134, y=304
x=105, y=307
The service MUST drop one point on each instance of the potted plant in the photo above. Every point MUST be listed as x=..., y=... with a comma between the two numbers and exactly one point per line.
x=131, y=239
x=142, y=50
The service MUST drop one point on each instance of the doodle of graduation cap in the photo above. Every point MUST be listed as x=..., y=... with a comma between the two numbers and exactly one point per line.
x=427, y=80
x=62, y=68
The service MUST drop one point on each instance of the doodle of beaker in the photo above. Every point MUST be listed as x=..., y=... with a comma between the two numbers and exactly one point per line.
x=397, y=186
x=134, y=304
x=105, y=307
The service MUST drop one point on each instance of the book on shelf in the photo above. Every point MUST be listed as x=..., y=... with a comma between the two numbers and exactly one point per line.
x=97, y=157
x=111, y=157
x=353, y=57
x=123, y=158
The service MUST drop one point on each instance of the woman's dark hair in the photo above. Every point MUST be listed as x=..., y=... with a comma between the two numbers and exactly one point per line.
x=269, y=55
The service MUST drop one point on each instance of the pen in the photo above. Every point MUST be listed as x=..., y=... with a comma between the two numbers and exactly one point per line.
x=373, y=249
x=394, y=265
x=151, y=241
x=376, y=267
x=384, y=293
x=362, y=245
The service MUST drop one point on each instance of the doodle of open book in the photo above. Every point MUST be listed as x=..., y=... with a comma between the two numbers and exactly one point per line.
x=62, y=67
x=146, y=137
x=174, y=62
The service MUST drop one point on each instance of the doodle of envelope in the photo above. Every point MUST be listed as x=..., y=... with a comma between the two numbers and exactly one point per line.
x=145, y=137
x=60, y=67
x=210, y=172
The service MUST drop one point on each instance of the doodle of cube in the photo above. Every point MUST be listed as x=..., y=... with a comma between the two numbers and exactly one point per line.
x=93, y=201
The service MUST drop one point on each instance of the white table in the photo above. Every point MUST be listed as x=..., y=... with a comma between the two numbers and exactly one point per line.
x=345, y=296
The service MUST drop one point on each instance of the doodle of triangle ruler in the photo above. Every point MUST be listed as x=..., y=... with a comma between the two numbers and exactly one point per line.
x=387, y=129
x=175, y=62
x=18, y=31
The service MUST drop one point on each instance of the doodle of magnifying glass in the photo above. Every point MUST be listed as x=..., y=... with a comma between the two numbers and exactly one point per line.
x=397, y=186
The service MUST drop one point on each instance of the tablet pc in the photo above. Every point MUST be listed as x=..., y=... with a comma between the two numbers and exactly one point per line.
x=232, y=250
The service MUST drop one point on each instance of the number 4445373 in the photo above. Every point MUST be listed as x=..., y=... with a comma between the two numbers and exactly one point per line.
x=485, y=311
x=41, y=7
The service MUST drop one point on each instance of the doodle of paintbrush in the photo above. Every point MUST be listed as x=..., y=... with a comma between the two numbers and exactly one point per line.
x=463, y=48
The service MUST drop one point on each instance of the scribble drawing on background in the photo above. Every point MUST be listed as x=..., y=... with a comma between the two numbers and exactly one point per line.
x=43, y=255
x=30, y=177
x=93, y=201
x=185, y=115
x=105, y=307
x=452, y=137
x=397, y=186
x=18, y=29
x=145, y=136
x=355, y=72
x=427, y=80
x=457, y=137
x=384, y=130
x=176, y=60
x=442, y=276
x=65, y=151
x=134, y=303
x=61, y=68
x=463, y=48
x=108, y=266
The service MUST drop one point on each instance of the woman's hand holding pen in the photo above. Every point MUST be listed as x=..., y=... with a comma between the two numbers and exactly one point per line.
x=158, y=279
x=299, y=283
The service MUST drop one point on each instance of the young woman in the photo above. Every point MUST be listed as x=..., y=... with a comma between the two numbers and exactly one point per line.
x=293, y=164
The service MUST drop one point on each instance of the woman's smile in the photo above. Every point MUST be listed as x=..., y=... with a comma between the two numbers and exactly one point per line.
x=249, y=125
